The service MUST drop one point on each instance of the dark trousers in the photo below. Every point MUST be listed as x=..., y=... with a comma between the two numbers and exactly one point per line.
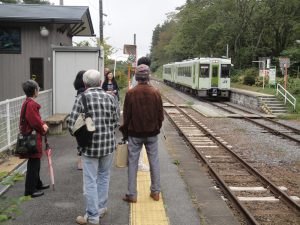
x=33, y=180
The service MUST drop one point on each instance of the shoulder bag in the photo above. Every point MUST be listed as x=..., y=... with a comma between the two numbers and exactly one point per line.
x=84, y=127
x=26, y=143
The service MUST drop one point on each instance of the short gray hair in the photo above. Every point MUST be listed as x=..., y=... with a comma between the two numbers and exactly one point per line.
x=92, y=78
x=29, y=87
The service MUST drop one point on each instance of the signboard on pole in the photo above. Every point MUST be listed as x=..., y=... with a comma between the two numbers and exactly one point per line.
x=131, y=51
x=272, y=76
x=284, y=62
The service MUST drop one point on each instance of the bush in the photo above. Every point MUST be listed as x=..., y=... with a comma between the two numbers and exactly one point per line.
x=235, y=75
x=293, y=85
x=121, y=79
x=249, y=80
x=250, y=76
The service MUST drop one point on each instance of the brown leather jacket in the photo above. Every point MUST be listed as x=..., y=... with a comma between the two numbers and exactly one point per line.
x=143, y=112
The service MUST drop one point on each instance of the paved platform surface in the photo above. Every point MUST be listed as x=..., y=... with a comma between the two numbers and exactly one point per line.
x=62, y=206
x=246, y=92
x=188, y=194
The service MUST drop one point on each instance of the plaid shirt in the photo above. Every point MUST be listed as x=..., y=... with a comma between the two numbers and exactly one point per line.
x=103, y=108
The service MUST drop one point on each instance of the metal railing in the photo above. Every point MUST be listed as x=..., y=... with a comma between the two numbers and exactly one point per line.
x=286, y=95
x=10, y=116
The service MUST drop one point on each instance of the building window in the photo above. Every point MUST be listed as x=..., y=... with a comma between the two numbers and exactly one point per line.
x=37, y=71
x=10, y=40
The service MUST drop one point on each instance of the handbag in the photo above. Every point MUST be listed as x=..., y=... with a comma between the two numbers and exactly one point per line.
x=122, y=155
x=84, y=127
x=26, y=143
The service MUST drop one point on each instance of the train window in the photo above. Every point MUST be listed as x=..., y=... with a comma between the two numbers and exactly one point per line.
x=185, y=71
x=167, y=70
x=179, y=71
x=204, y=70
x=225, y=68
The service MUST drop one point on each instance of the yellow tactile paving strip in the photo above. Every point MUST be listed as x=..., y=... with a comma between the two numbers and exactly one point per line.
x=147, y=211
x=10, y=164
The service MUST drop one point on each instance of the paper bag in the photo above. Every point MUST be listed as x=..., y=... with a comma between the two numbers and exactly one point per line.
x=122, y=155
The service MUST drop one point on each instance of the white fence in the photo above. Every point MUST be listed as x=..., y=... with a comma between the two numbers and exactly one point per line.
x=10, y=116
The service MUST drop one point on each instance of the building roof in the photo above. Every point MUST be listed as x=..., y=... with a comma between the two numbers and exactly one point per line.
x=79, y=16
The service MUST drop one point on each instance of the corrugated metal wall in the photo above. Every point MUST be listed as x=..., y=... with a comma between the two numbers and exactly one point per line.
x=15, y=68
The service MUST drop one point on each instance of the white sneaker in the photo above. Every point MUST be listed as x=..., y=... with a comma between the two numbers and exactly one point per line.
x=102, y=212
x=143, y=168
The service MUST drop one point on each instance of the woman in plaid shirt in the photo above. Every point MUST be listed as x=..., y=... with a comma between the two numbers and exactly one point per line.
x=97, y=158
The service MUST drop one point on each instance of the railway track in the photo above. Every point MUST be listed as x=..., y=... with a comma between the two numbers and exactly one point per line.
x=272, y=126
x=268, y=124
x=257, y=199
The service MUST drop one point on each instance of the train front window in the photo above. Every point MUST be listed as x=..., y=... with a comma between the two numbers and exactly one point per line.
x=225, y=68
x=204, y=70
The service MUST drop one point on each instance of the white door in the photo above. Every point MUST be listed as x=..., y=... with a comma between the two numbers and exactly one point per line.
x=66, y=66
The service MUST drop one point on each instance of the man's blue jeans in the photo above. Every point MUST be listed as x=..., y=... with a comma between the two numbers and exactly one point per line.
x=96, y=176
x=135, y=145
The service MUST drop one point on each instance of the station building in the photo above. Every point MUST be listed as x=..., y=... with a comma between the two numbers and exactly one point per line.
x=27, y=36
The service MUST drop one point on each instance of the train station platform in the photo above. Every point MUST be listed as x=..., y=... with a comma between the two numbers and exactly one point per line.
x=188, y=193
x=250, y=93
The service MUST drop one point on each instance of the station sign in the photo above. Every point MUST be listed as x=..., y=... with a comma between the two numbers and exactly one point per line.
x=131, y=51
x=284, y=62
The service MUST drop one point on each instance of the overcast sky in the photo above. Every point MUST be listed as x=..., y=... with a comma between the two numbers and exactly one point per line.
x=126, y=17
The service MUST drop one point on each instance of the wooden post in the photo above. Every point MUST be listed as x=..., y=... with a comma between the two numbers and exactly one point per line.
x=128, y=77
x=285, y=76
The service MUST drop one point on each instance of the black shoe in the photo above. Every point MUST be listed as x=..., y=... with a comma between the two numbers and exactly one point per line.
x=37, y=194
x=46, y=186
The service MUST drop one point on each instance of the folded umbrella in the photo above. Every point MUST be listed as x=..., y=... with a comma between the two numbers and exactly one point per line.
x=48, y=152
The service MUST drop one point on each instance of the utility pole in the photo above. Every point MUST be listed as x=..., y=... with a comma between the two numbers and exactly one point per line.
x=134, y=42
x=101, y=21
x=61, y=2
x=227, y=49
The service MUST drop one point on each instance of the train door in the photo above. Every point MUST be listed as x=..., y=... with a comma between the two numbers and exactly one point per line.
x=176, y=74
x=194, y=76
x=215, y=76
x=173, y=73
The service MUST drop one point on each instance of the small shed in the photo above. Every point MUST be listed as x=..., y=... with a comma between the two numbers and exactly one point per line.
x=27, y=33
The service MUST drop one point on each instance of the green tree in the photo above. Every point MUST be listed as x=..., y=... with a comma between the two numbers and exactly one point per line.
x=36, y=2
x=251, y=28
x=10, y=1
x=84, y=43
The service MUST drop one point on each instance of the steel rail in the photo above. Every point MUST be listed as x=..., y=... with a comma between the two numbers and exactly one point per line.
x=295, y=130
x=271, y=130
x=241, y=208
x=269, y=184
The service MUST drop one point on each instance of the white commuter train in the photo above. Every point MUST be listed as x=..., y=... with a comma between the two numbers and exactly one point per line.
x=202, y=77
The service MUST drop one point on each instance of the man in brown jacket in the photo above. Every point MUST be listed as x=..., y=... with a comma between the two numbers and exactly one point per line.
x=143, y=117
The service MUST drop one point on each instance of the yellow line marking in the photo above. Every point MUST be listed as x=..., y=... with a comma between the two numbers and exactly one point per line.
x=147, y=211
